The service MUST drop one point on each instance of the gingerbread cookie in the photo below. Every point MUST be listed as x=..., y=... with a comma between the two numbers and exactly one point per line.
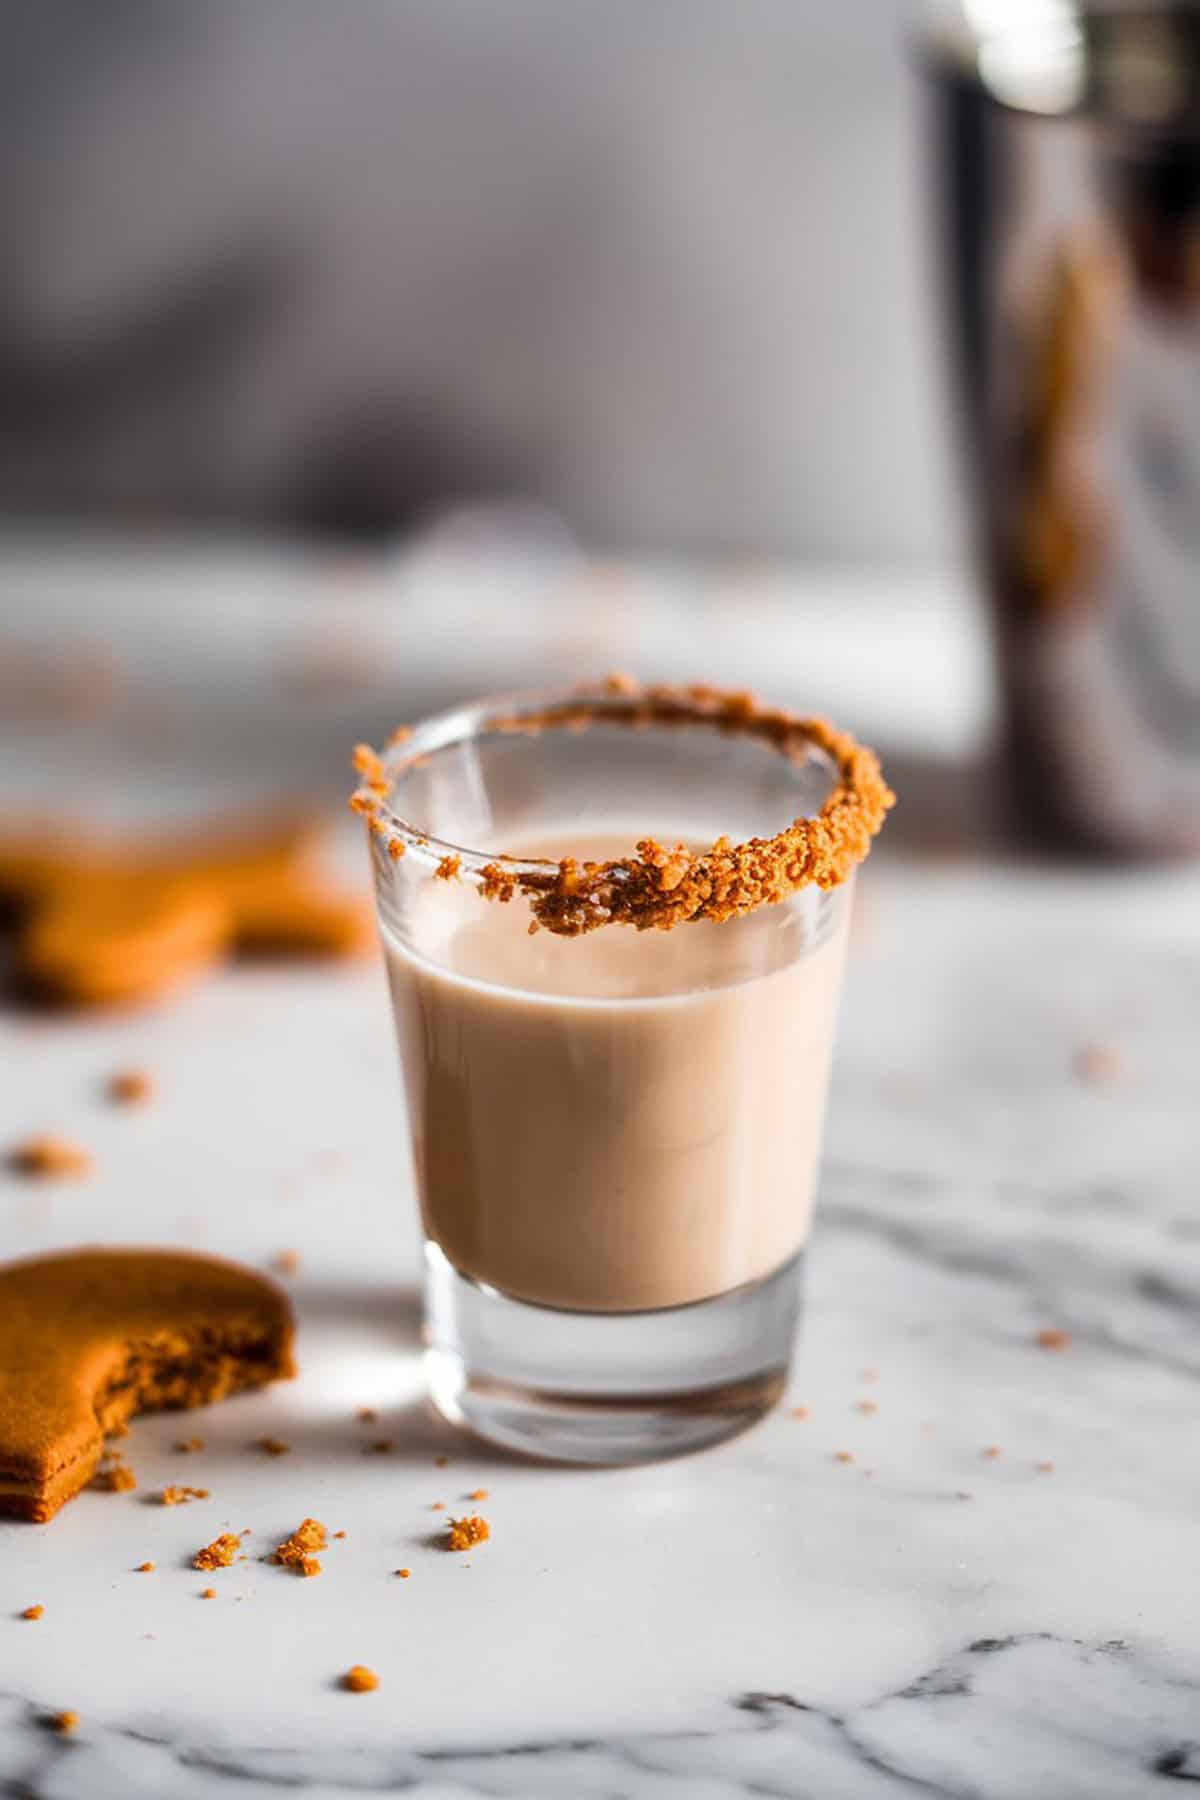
x=105, y=923
x=89, y=1337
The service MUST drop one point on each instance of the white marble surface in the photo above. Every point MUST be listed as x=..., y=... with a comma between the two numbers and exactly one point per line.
x=763, y=1619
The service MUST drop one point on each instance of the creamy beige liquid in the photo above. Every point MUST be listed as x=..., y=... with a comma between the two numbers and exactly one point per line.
x=586, y=1134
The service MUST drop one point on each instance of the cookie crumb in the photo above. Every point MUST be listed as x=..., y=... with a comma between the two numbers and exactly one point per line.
x=798, y=1412
x=1097, y=1065
x=404, y=1574
x=381, y=1447
x=144, y=1568
x=1044, y=1468
x=219, y=1554
x=869, y=1375
x=441, y=1462
x=867, y=1406
x=271, y=1446
x=175, y=1495
x=478, y=1494
x=366, y=1415
x=287, y=1262
x=448, y=868
x=1052, y=1338
x=130, y=1087
x=843, y=1456
x=64, y=1722
x=339, y=1534
x=298, y=1551
x=50, y=1158
x=463, y=1534
x=360, y=1680
x=119, y=1479
x=437, y=1506
x=33, y=1612
x=208, y=1593
x=991, y=1453
x=190, y=1446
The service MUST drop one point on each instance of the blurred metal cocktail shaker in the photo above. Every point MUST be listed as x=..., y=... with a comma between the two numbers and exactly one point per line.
x=1068, y=162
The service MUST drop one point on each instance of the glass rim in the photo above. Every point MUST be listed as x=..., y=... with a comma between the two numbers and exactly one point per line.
x=474, y=719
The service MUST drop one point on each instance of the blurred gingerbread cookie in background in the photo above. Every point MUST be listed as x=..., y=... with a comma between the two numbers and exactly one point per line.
x=108, y=921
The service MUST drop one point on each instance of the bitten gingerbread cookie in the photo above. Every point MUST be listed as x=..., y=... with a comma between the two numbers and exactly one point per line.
x=103, y=922
x=89, y=1337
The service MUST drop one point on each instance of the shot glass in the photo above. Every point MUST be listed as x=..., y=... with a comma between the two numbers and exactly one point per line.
x=615, y=1136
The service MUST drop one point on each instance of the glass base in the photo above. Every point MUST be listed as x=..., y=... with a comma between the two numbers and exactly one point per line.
x=607, y=1387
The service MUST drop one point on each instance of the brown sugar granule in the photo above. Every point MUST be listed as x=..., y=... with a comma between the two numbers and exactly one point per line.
x=119, y=1479
x=478, y=1494
x=190, y=1446
x=219, y=1554
x=366, y=1415
x=867, y=1406
x=144, y=1569
x=287, y=1262
x=661, y=886
x=991, y=1453
x=33, y=1612
x=271, y=1446
x=404, y=1574
x=463, y=1534
x=130, y=1087
x=50, y=1158
x=208, y=1593
x=448, y=868
x=799, y=1412
x=1052, y=1338
x=360, y=1680
x=298, y=1550
x=179, y=1496
x=843, y=1456
x=64, y=1722
x=1097, y=1065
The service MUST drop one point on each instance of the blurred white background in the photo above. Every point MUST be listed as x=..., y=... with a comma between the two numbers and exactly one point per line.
x=663, y=266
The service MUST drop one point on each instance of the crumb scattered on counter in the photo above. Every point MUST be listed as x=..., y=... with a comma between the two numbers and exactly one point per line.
x=366, y=1415
x=478, y=1494
x=144, y=1568
x=33, y=1612
x=50, y=1158
x=272, y=1446
x=360, y=1680
x=1052, y=1338
x=463, y=1534
x=208, y=1593
x=798, y=1412
x=867, y=1406
x=843, y=1456
x=298, y=1551
x=1044, y=1468
x=190, y=1446
x=404, y=1574
x=118, y=1479
x=991, y=1453
x=287, y=1262
x=130, y=1087
x=869, y=1375
x=64, y=1722
x=441, y=1462
x=381, y=1447
x=219, y=1554
x=179, y=1496
x=1097, y=1065
x=339, y=1534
